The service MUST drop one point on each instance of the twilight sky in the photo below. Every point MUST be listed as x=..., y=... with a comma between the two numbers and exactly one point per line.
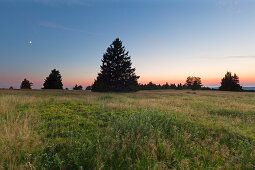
x=168, y=40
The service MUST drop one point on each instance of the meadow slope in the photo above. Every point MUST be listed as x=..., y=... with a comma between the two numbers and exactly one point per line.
x=167, y=129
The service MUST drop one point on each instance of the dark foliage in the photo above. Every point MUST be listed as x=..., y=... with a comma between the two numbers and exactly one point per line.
x=193, y=83
x=25, y=84
x=152, y=86
x=76, y=87
x=116, y=72
x=149, y=86
x=88, y=88
x=230, y=83
x=206, y=88
x=53, y=81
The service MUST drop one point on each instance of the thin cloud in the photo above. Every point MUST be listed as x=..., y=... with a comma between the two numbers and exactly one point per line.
x=53, y=25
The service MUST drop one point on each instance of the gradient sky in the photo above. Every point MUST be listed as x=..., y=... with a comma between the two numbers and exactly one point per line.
x=168, y=40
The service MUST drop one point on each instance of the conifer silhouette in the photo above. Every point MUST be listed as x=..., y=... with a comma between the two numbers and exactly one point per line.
x=230, y=83
x=25, y=84
x=116, y=72
x=53, y=81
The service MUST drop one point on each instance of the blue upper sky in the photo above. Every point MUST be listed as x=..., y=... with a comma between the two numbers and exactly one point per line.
x=168, y=40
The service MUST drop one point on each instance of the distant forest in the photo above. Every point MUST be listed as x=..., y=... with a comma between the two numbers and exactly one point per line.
x=117, y=75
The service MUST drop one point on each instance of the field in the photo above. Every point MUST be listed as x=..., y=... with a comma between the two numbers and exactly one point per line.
x=166, y=129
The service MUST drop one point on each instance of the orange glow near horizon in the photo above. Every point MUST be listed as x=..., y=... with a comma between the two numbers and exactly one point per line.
x=205, y=81
x=8, y=80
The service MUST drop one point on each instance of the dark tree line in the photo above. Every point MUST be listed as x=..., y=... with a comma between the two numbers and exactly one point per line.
x=193, y=83
x=118, y=75
x=229, y=83
x=152, y=86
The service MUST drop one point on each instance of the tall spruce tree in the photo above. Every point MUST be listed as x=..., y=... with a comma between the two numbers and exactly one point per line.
x=116, y=72
x=25, y=84
x=53, y=81
x=230, y=83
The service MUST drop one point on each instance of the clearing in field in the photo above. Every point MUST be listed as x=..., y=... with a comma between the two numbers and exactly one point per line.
x=143, y=130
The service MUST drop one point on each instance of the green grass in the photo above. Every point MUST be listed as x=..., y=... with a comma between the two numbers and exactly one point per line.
x=144, y=130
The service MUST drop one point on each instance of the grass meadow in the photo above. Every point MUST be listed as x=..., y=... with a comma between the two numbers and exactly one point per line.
x=167, y=129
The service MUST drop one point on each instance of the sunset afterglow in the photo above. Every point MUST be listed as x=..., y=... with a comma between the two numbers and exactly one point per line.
x=167, y=40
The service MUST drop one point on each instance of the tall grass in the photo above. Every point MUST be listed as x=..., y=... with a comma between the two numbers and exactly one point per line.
x=145, y=130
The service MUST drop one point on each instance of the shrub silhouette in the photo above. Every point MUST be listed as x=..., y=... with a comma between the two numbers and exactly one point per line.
x=193, y=83
x=53, y=81
x=116, y=71
x=25, y=84
x=88, y=88
x=76, y=87
x=230, y=83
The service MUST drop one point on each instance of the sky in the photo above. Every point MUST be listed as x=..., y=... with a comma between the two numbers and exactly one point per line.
x=168, y=40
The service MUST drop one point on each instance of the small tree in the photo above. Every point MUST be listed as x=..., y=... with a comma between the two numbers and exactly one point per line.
x=25, y=84
x=76, y=87
x=193, y=83
x=116, y=71
x=53, y=81
x=230, y=83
